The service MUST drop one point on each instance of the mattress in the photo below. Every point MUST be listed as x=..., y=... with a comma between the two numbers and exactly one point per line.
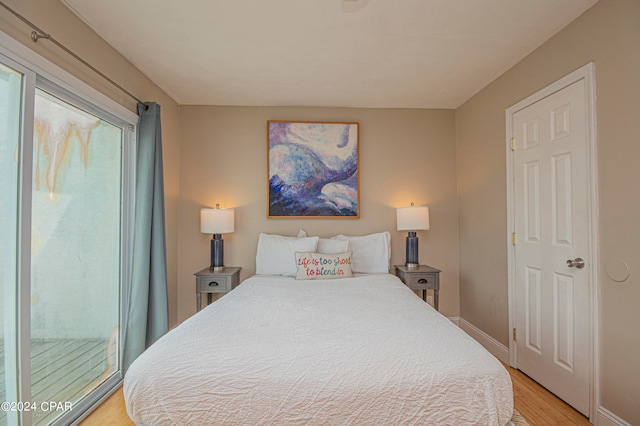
x=357, y=351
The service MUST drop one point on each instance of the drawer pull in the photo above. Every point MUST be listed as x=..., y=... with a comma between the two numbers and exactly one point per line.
x=422, y=281
x=213, y=284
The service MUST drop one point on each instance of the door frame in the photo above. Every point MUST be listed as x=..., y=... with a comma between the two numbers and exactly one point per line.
x=586, y=73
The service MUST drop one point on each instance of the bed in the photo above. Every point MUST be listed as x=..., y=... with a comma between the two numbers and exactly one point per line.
x=358, y=350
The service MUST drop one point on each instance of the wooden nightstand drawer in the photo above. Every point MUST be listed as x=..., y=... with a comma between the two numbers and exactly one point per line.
x=422, y=278
x=214, y=284
x=422, y=281
x=210, y=282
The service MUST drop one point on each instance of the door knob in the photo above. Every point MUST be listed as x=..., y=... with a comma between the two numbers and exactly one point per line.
x=577, y=262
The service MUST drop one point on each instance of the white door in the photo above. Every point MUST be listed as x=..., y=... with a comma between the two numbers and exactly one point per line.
x=551, y=205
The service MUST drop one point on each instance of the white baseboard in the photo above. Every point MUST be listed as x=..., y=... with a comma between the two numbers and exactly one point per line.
x=607, y=418
x=494, y=347
x=455, y=320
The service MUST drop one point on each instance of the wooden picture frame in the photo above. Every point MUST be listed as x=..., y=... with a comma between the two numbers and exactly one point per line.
x=313, y=169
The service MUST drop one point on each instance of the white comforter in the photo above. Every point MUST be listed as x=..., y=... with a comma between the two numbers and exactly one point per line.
x=359, y=351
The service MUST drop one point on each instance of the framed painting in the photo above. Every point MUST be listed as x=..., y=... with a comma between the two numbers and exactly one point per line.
x=313, y=169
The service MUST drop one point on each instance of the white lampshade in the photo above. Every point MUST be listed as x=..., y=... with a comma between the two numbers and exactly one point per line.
x=216, y=221
x=413, y=218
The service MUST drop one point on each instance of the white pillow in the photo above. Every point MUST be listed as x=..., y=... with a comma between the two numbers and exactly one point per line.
x=332, y=246
x=320, y=266
x=276, y=255
x=370, y=254
x=328, y=245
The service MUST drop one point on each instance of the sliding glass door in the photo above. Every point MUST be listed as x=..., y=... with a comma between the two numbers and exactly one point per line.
x=65, y=203
x=75, y=253
x=11, y=84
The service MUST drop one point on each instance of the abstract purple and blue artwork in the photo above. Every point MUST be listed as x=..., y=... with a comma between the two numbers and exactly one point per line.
x=313, y=169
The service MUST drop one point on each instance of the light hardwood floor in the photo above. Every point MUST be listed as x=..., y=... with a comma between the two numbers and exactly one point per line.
x=537, y=405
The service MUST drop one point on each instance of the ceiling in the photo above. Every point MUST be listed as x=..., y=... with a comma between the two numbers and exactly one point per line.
x=338, y=53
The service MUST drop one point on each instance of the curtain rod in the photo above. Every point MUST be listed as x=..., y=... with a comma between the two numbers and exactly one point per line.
x=38, y=33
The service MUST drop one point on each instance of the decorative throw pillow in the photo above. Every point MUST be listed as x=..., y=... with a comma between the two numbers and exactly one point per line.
x=321, y=266
x=276, y=254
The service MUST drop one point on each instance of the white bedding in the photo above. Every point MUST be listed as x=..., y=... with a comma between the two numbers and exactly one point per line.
x=355, y=351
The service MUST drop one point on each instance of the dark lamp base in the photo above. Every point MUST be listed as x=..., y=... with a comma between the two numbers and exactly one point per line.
x=217, y=253
x=412, y=251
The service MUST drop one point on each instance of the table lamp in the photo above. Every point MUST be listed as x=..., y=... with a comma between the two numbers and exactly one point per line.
x=412, y=219
x=217, y=222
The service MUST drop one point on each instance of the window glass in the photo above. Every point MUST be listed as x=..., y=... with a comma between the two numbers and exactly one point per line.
x=75, y=252
x=10, y=109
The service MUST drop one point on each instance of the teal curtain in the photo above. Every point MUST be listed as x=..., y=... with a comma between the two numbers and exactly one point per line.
x=147, y=318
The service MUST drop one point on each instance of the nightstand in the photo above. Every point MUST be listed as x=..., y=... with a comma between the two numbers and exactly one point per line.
x=211, y=282
x=422, y=278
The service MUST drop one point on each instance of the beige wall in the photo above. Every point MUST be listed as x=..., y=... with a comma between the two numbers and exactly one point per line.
x=609, y=35
x=54, y=18
x=405, y=155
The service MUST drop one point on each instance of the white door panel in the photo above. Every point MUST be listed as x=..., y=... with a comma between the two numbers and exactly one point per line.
x=552, y=309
